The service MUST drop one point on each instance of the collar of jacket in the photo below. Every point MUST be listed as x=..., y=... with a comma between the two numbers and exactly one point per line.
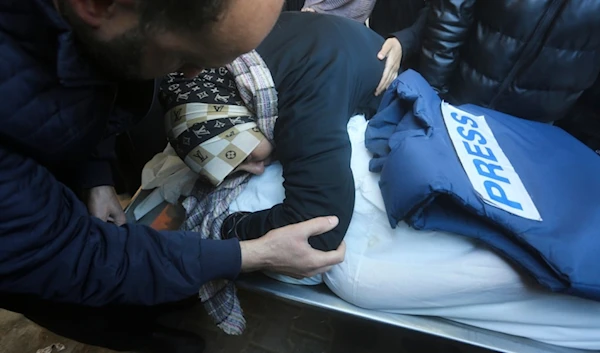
x=73, y=70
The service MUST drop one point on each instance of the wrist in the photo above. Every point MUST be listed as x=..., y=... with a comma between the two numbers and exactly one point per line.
x=255, y=255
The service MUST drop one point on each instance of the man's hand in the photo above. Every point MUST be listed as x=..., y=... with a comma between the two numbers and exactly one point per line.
x=392, y=50
x=287, y=251
x=102, y=202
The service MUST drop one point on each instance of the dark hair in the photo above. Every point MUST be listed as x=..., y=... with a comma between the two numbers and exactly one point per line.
x=180, y=15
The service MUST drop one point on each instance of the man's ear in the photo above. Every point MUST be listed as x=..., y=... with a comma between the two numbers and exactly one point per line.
x=97, y=12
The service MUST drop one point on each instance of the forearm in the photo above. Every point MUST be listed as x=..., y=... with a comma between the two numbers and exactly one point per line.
x=120, y=265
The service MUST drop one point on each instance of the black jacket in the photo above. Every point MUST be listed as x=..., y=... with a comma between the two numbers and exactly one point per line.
x=529, y=58
x=583, y=121
x=322, y=80
x=403, y=19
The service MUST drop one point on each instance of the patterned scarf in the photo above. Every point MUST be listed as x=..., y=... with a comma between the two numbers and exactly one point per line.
x=207, y=208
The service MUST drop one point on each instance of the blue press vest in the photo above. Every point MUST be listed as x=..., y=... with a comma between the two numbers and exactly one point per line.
x=529, y=190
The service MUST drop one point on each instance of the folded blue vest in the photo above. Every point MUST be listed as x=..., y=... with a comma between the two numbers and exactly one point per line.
x=528, y=190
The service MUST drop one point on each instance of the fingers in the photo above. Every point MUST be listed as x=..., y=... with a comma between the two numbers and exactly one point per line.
x=382, y=84
x=119, y=217
x=392, y=78
x=385, y=50
x=101, y=214
x=324, y=261
x=116, y=217
x=286, y=250
x=390, y=73
x=315, y=226
x=331, y=258
x=385, y=79
x=392, y=50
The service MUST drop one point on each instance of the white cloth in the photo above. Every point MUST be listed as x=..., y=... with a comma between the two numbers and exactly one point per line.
x=170, y=178
x=263, y=192
x=434, y=273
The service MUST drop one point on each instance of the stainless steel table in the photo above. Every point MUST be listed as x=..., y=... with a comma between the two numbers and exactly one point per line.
x=322, y=298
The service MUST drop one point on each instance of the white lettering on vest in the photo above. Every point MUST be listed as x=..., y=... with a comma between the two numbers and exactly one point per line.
x=490, y=172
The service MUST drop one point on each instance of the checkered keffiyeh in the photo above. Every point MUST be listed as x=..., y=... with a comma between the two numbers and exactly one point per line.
x=207, y=208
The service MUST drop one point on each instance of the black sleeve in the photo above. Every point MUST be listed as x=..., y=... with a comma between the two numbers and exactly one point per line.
x=410, y=38
x=447, y=26
x=52, y=248
x=314, y=149
x=583, y=121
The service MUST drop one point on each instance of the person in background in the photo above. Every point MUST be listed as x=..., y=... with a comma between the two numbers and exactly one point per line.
x=69, y=71
x=358, y=10
x=401, y=22
x=583, y=121
x=531, y=59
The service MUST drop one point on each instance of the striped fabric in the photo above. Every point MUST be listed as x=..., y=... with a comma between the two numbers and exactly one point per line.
x=207, y=208
x=358, y=10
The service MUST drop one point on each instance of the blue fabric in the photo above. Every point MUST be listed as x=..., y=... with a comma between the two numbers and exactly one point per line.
x=424, y=183
x=55, y=110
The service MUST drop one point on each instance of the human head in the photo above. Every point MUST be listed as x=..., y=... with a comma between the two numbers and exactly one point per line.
x=209, y=126
x=223, y=150
x=144, y=39
x=258, y=159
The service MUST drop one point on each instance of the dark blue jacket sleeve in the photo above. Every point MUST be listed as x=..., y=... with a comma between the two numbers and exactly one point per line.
x=97, y=171
x=50, y=247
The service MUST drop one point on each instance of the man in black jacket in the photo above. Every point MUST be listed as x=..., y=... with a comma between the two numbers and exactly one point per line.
x=529, y=58
x=402, y=23
x=583, y=121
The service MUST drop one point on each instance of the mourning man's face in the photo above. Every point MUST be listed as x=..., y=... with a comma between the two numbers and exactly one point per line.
x=111, y=34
